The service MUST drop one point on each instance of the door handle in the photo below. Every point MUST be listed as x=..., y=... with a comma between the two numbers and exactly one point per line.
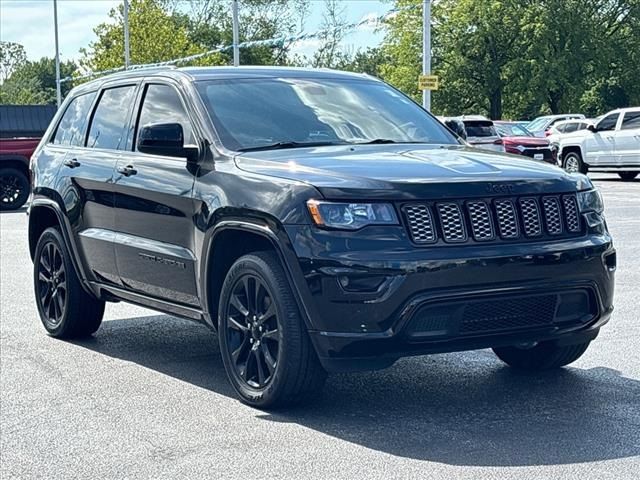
x=610, y=139
x=127, y=171
x=73, y=163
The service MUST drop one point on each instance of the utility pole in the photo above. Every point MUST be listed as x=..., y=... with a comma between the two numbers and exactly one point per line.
x=126, y=34
x=55, y=28
x=236, y=40
x=426, y=50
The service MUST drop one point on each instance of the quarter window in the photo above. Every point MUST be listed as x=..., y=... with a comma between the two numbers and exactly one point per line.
x=162, y=104
x=71, y=129
x=110, y=118
x=630, y=121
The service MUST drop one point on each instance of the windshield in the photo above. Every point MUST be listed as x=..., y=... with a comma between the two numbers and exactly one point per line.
x=512, y=130
x=538, y=124
x=288, y=112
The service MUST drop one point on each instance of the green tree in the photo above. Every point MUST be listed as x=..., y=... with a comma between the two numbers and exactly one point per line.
x=209, y=25
x=520, y=58
x=154, y=36
x=35, y=82
x=12, y=55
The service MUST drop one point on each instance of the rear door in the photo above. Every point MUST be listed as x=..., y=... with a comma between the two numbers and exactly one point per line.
x=87, y=174
x=600, y=145
x=627, y=140
x=154, y=206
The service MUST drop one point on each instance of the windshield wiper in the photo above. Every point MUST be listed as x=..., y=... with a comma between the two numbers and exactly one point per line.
x=288, y=144
x=378, y=141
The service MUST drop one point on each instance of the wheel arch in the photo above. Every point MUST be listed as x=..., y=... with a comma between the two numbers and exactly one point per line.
x=571, y=148
x=241, y=237
x=15, y=161
x=45, y=213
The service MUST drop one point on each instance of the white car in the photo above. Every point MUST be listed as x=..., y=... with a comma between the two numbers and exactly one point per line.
x=569, y=126
x=540, y=125
x=612, y=144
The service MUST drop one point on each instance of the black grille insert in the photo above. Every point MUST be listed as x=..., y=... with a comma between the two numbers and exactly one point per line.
x=503, y=313
x=531, y=217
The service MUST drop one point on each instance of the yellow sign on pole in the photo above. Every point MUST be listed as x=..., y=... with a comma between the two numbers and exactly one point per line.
x=428, y=82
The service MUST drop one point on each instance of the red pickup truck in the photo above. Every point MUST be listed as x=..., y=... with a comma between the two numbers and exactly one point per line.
x=14, y=171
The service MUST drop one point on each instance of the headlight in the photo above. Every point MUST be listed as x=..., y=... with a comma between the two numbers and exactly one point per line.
x=351, y=216
x=590, y=201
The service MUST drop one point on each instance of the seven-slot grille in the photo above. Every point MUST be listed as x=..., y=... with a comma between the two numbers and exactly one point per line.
x=486, y=220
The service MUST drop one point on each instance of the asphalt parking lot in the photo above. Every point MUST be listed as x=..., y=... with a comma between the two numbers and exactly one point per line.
x=148, y=398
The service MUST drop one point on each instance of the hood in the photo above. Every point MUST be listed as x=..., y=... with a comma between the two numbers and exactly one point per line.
x=410, y=171
x=529, y=141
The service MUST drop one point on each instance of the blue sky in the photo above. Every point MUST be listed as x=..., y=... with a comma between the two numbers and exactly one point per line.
x=30, y=22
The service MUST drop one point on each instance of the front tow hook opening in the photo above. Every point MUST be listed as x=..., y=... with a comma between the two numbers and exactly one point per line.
x=611, y=261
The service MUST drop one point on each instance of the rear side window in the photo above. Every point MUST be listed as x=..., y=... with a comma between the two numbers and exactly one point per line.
x=630, y=121
x=110, y=118
x=71, y=129
x=162, y=104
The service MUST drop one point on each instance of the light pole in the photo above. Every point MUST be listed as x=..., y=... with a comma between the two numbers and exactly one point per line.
x=426, y=50
x=55, y=29
x=126, y=34
x=236, y=40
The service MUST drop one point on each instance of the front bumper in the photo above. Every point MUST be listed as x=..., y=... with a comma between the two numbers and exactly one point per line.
x=373, y=297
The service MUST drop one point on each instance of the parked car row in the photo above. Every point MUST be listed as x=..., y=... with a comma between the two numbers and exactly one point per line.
x=608, y=143
x=508, y=137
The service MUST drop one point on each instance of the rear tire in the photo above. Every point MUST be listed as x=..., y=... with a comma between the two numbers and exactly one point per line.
x=627, y=176
x=572, y=163
x=14, y=188
x=66, y=309
x=266, y=350
x=544, y=356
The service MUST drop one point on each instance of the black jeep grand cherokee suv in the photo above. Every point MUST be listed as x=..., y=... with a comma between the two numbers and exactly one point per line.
x=319, y=221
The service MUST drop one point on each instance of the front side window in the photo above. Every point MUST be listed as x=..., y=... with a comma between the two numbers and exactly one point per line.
x=608, y=122
x=110, y=118
x=631, y=121
x=162, y=104
x=253, y=113
x=71, y=129
x=570, y=127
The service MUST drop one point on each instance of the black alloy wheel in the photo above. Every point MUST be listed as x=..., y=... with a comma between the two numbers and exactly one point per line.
x=14, y=189
x=252, y=331
x=66, y=309
x=52, y=285
x=266, y=349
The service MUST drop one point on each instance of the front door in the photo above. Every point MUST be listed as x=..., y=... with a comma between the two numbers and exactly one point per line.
x=628, y=141
x=155, y=208
x=601, y=144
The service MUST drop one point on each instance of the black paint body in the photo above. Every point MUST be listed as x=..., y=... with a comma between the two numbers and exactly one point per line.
x=150, y=238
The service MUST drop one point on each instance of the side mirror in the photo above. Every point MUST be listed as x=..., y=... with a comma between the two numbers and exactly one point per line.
x=166, y=139
x=592, y=128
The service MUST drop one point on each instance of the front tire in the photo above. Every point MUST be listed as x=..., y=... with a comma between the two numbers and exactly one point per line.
x=572, y=163
x=14, y=189
x=65, y=309
x=544, y=356
x=266, y=350
x=627, y=176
